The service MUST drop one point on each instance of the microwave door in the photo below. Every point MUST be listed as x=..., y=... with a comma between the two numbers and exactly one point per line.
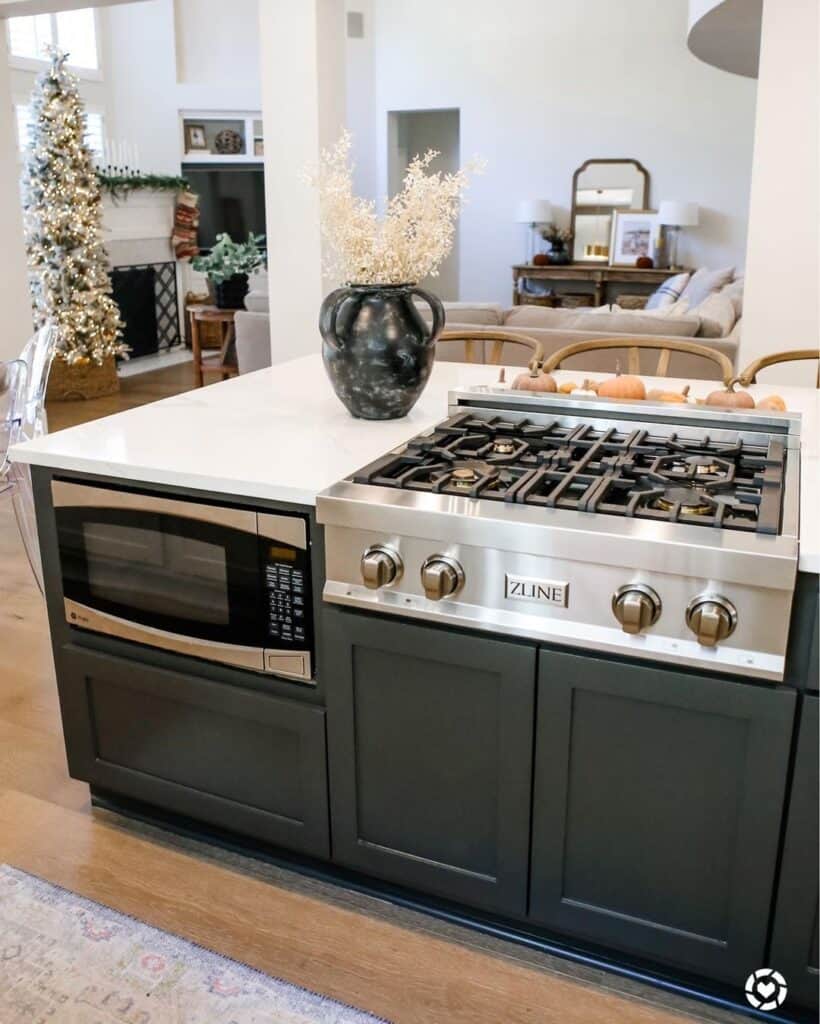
x=182, y=573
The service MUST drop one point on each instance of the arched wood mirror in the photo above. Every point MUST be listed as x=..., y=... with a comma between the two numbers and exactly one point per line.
x=599, y=187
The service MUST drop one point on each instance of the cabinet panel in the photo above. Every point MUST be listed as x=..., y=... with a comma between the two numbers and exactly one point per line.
x=658, y=798
x=794, y=937
x=235, y=758
x=430, y=746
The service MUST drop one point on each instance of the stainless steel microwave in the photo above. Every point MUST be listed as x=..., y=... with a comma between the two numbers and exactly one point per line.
x=206, y=580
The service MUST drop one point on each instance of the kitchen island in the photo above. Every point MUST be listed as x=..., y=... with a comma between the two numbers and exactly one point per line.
x=642, y=812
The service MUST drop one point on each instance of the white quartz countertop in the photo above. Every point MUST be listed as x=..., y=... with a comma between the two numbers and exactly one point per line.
x=281, y=434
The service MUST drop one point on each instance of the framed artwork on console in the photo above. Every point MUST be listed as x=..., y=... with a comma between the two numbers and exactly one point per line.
x=632, y=234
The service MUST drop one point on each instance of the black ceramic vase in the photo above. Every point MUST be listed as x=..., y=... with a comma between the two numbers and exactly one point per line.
x=377, y=348
x=230, y=294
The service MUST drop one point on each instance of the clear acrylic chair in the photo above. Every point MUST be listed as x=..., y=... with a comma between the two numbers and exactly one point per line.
x=36, y=359
x=12, y=399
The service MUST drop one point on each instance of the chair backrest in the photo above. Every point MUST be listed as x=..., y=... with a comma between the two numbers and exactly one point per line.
x=498, y=339
x=665, y=346
x=38, y=355
x=749, y=375
x=12, y=400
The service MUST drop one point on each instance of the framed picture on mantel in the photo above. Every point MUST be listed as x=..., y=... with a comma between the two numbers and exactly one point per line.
x=632, y=233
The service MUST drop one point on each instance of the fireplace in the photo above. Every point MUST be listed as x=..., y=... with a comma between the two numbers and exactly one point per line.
x=146, y=294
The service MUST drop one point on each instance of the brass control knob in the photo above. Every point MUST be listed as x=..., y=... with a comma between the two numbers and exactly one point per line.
x=441, y=576
x=636, y=607
x=711, y=618
x=380, y=566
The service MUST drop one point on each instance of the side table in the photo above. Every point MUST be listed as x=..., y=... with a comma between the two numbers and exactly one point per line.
x=224, y=361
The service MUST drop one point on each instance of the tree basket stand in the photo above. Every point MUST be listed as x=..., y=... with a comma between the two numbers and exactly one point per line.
x=68, y=382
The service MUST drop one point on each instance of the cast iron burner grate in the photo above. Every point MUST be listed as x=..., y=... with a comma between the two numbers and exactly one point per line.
x=737, y=486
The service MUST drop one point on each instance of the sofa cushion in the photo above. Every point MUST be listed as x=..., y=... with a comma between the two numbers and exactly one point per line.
x=703, y=282
x=486, y=314
x=717, y=316
x=668, y=293
x=622, y=321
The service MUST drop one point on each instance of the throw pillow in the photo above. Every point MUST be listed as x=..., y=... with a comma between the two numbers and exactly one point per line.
x=679, y=308
x=668, y=293
x=703, y=282
x=717, y=316
x=734, y=290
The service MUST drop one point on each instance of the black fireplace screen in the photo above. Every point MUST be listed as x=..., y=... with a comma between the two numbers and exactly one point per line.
x=147, y=298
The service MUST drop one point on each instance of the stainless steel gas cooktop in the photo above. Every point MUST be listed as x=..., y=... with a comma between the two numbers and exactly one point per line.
x=650, y=531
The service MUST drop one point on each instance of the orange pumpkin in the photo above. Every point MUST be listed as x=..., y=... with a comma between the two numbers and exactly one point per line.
x=568, y=387
x=773, y=402
x=535, y=382
x=658, y=395
x=728, y=398
x=622, y=386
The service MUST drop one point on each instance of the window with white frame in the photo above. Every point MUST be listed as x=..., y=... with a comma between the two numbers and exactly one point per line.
x=94, y=135
x=74, y=32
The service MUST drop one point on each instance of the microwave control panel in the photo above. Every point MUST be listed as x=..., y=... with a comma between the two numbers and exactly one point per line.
x=287, y=585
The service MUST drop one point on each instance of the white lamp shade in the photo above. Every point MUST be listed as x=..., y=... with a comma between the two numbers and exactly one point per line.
x=675, y=213
x=534, y=211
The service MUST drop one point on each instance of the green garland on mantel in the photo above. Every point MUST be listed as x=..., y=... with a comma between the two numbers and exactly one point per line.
x=119, y=183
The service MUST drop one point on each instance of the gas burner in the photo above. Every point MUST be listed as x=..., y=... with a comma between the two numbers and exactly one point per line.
x=503, y=446
x=702, y=466
x=689, y=499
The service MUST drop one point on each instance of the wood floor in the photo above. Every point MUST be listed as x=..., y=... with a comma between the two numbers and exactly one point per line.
x=406, y=973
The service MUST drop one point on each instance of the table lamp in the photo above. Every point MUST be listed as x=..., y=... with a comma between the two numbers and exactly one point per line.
x=675, y=215
x=533, y=212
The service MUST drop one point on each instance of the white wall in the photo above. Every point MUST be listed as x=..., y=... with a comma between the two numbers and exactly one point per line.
x=303, y=104
x=549, y=84
x=781, y=302
x=14, y=294
x=139, y=66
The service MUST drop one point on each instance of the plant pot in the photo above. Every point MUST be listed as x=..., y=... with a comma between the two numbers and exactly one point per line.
x=230, y=294
x=377, y=348
x=70, y=381
x=559, y=254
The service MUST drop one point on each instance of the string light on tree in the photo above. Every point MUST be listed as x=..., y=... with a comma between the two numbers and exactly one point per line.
x=68, y=266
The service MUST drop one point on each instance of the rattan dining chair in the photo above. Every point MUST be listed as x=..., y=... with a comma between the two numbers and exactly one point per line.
x=749, y=375
x=498, y=340
x=633, y=347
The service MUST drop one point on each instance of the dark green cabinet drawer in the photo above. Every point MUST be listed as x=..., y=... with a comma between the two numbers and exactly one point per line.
x=430, y=748
x=235, y=758
x=658, y=800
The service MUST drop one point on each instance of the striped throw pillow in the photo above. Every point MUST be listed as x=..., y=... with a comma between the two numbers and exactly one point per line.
x=668, y=293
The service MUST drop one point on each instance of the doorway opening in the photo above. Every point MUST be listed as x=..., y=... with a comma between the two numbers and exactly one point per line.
x=411, y=133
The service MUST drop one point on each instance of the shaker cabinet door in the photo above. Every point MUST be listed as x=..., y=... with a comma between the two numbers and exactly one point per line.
x=657, y=809
x=794, y=938
x=430, y=752
x=238, y=759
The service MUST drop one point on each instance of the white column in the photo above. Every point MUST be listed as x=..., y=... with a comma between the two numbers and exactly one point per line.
x=303, y=105
x=782, y=272
x=15, y=300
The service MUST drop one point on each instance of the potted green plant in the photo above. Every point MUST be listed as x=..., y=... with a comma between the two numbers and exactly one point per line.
x=227, y=266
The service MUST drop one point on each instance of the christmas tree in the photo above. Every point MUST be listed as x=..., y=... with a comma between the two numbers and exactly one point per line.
x=68, y=267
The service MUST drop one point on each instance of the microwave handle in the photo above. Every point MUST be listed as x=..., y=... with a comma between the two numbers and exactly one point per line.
x=70, y=495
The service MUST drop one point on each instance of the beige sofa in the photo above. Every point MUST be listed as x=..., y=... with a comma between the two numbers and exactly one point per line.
x=554, y=328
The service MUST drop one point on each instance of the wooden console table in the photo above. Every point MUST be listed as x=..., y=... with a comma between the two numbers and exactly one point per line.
x=600, y=276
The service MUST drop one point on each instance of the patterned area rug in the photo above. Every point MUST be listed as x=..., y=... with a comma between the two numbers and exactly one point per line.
x=67, y=960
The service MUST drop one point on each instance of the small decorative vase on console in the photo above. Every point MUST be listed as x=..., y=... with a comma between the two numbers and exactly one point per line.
x=230, y=293
x=377, y=348
x=559, y=254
